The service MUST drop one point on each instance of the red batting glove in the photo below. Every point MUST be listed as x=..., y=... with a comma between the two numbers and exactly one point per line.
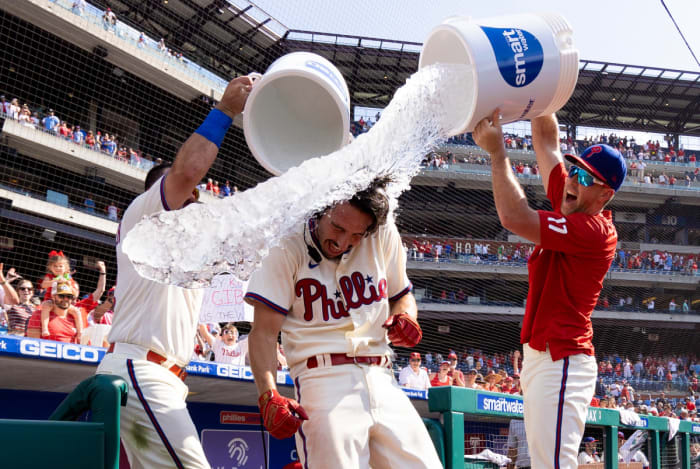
x=403, y=330
x=278, y=414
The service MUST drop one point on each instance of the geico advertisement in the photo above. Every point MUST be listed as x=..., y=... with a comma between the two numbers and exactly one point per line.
x=60, y=350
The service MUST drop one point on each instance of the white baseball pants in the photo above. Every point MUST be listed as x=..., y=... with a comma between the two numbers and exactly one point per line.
x=556, y=396
x=155, y=426
x=359, y=418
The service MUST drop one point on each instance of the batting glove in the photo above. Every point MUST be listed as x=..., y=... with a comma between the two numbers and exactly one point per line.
x=278, y=413
x=403, y=330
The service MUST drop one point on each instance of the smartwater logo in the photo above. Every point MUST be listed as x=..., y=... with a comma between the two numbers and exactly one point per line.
x=518, y=54
x=328, y=73
x=696, y=428
x=507, y=405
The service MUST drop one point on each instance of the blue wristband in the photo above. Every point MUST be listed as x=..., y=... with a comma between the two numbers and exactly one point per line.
x=214, y=127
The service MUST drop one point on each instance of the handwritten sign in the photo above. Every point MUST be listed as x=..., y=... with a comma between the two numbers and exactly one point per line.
x=223, y=301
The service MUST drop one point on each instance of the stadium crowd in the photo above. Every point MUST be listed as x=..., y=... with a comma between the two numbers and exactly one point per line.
x=41, y=118
x=622, y=382
x=422, y=248
x=52, y=309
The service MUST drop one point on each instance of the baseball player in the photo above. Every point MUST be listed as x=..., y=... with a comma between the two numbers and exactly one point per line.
x=339, y=292
x=414, y=376
x=575, y=245
x=154, y=326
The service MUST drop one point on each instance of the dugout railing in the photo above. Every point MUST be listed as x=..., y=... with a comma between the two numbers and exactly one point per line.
x=459, y=405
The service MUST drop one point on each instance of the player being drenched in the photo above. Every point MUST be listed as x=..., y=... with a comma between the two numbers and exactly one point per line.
x=339, y=292
x=575, y=245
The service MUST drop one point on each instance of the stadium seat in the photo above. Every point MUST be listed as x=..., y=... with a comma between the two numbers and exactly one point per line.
x=40, y=443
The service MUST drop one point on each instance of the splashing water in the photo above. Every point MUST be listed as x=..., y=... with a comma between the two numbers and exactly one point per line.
x=189, y=247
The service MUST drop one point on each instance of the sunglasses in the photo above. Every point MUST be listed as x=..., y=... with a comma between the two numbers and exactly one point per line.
x=25, y=289
x=415, y=359
x=66, y=297
x=584, y=179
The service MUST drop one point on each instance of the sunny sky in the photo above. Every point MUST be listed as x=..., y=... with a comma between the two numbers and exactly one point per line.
x=633, y=32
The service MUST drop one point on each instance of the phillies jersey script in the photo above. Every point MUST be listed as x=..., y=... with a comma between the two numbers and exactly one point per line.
x=333, y=305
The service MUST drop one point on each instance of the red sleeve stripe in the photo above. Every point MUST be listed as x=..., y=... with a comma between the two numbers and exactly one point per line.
x=266, y=302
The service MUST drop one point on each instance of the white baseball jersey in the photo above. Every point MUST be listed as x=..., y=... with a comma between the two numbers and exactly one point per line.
x=159, y=317
x=412, y=380
x=231, y=354
x=333, y=306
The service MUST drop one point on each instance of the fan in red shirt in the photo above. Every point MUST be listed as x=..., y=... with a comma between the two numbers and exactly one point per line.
x=575, y=246
x=62, y=326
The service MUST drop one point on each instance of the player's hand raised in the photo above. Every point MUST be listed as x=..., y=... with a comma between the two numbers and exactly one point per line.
x=281, y=416
x=403, y=330
x=235, y=96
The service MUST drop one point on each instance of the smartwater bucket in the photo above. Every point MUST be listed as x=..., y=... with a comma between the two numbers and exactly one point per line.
x=524, y=64
x=299, y=109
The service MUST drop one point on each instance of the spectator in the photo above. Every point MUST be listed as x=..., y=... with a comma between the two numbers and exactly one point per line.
x=650, y=305
x=78, y=135
x=227, y=349
x=18, y=307
x=414, y=376
x=89, y=205
x=4, y=105
x=141, y=41
x=442, y=377
x=492, y=379
x=672, y=305
x=14, y=109
x=61, y=325
x=226, y=190
x=79, y=7
x=90, y=140
x=109, y=20
x=686, y=308
x=57, y=267
x=215, y=190
x=588, y=455
x=112, y=211
x=471, y=380
x=51, y=122
x=456, y=375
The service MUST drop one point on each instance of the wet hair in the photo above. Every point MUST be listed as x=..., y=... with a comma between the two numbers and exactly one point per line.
x=155, y=173
x=374, y=202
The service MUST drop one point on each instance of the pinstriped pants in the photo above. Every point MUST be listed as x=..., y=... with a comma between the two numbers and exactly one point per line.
x=556, y=396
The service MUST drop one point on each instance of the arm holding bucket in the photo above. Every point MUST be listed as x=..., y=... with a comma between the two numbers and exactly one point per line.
x=511, y=204
x=197, y=154
x=545, y=140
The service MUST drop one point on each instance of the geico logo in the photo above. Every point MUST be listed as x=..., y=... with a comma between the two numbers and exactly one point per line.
x=71, y=352
x=231, y=371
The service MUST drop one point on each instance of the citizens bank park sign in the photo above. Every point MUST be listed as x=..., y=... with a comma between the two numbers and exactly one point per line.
x=84, y=354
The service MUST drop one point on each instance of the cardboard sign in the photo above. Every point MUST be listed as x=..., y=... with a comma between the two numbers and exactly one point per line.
x=223, y=301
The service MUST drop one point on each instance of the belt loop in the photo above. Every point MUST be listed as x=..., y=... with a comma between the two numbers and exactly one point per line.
x=326, y=360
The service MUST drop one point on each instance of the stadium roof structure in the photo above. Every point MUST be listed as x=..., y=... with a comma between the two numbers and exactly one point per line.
x=233, y=37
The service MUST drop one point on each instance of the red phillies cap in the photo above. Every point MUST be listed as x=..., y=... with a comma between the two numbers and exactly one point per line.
x=452, y=355
x=415, y=355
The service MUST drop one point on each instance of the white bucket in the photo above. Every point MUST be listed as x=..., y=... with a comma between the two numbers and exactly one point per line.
x=525, y=64
x=299, y=109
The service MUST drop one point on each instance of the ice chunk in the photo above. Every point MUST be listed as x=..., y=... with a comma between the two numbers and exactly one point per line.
x=189, y=247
